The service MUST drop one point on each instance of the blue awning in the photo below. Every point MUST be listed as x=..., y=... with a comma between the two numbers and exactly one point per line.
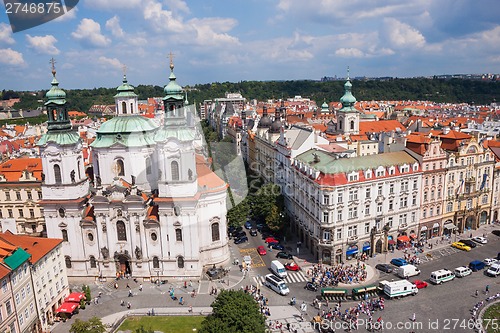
x=366, y=248
x=351, y=252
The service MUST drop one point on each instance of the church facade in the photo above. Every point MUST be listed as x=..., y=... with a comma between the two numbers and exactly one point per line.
x=148, y=207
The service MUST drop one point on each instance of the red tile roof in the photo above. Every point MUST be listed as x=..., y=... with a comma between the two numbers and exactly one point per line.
x=12, y=169
x=36, y=246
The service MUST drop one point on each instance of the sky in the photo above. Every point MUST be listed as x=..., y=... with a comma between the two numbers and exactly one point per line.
x=243, y=40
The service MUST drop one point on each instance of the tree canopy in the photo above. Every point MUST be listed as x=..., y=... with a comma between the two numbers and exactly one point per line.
x=93, y=325
x=234, y=312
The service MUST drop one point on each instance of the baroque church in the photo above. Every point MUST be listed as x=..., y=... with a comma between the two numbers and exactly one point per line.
x=149, y=206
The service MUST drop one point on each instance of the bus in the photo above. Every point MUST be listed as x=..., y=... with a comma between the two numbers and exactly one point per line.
x=442, y=275
x=276, y=284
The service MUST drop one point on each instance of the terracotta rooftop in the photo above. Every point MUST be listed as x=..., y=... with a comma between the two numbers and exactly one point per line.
x=36, y=246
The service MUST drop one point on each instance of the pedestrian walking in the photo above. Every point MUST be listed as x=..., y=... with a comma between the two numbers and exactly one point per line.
x=413, y=317
x=477, y=293
x=140, y=287
x=128, y=305
x=130, y=293
x=487, y=289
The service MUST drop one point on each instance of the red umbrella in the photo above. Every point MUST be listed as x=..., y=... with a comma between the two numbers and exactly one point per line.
x=67, y=307
x=75, y=297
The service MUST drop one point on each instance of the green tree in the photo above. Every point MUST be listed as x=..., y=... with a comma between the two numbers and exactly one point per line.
x=93, y=325
x=234, y=312
x=141, y=329
x=238, y=214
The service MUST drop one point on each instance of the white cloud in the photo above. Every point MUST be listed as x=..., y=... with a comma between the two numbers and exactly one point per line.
x=213, y=31
x=177, y=5
x=89, y=31
x=112, y=4
x=349, y=52
x=68, y=16
x=11, y=57
x=162, y=20
x=110, y=62
x=113, y=25
x=43, y=44
x=6, y=34
x=402, y=35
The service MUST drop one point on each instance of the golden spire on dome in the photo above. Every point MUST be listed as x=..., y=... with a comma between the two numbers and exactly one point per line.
x=171, y=56
x=53, y=63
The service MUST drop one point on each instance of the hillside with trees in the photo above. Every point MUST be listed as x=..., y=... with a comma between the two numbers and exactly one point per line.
x=437, y=90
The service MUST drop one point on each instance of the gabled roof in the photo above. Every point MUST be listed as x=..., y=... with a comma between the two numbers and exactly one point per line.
x=36, y=247
x=380, y=126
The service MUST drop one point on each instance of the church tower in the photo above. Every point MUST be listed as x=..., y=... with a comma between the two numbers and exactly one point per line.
x=126, y=99
x=175, y=139
x=348, y=115
x=61, y=150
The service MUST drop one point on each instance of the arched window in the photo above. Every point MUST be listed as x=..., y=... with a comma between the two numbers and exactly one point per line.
x=178, y=235
x=120, y=168
x=93, y=263
x=340, y=124
x=121, y=233
x=352, y=124
x=180, y=261
x=215, y=232
x=67, y=260
x=124, y=108
x=148, y=165
x=57, y=174
x=156, y=262
x=64, y=235
x=174, y=166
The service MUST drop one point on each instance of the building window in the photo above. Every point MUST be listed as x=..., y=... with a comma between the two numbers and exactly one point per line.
x=380, y=190
x=391, y=204
x=156, y=262
x=32, y=213
x=67, y=260
x=8, y=307
x=339, y=233
x=469, y=204
x=120, y=167
x=326, y=199
x=403, y=202
x=367, y=228
x=62, y=213
x=352, y=231
x=353, y=212
x=180, y=262
x=39, y=195
x=339, y=216
x=7, y=195
x=10, y=213
x=367, y=209
x=93, y=263
x=18, y=195
x=57, y=174
x=368, y=193
x=215, y=232
x=353, y=195
x=325, y=217
x=379, y=207
x=340, y=198
x=404, y=186
x=21, y=212
x=178, y=235
x=121, y=231
x=174, y=166
x=413, y=216
x=64, y=235
x=353, y=178
x=391, y=188
x=485, y=199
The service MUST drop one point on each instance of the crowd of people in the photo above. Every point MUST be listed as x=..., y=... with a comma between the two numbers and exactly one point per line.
x=324, y=276
x=259, y=297
x=477, y=307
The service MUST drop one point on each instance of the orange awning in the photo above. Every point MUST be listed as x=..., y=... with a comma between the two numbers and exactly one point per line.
x=403, y=239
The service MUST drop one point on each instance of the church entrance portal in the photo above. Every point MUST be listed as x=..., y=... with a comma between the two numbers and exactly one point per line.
x=123, y=265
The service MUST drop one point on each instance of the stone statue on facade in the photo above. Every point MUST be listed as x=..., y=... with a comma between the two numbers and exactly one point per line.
x=72, y=176
x=105, y=252
x=138, y=253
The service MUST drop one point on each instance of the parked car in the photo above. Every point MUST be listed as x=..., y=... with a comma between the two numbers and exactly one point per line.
x=461, y=246
x=253, y=232
x=462, y=271
x=399, y=262
x=476, y=265
x=480, y=240
x=420, y=284
x=231, y=229
x=276, y=246
x=241, y=240
x=284, y=255
x=384, y=268
x=248, y=225
x=292, y=266
x=271, y=240
x=261, y=250
x=240, y=234
x=490, y=261
x=468, y=242
x=311, y=286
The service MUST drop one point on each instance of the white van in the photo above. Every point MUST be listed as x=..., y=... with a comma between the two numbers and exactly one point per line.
x=278, y=269
x=407, y=271
x=400, y=288
x=276, y=284
x=443, y=275
x=494, y=270
x=462, y=271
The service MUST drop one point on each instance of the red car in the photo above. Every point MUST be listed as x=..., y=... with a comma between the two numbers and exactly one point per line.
x=420, y=284
x=262, y=250
x=271, y=240
x=291, y=266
